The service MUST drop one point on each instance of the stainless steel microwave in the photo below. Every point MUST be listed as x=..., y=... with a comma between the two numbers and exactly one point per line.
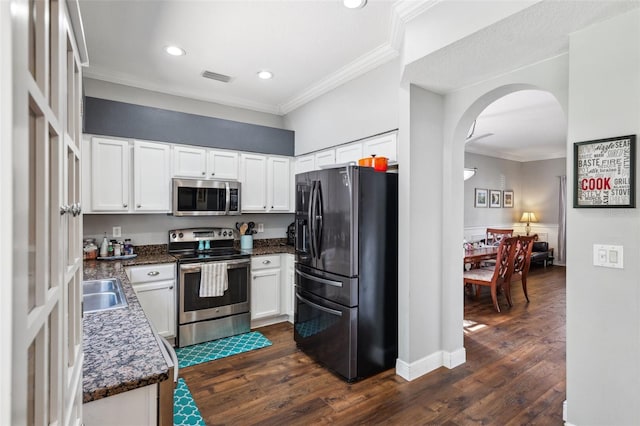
x=200, y=197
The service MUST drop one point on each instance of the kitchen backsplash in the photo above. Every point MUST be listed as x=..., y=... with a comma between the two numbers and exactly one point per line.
x=152, y=228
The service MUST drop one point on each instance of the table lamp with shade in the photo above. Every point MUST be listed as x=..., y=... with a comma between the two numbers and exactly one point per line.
x=528, y=217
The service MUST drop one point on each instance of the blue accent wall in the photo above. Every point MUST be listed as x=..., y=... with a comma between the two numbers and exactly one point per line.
x=112, y=118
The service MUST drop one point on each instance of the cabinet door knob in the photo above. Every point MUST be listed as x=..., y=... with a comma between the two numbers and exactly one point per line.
x=64, y=209
x=271, y=206
x=203, y=173
x=139, y=205
x=153, y=273
x=264, y=207
x=266, y=262
x=171, y=288
x=124, y=205
x=213, y=173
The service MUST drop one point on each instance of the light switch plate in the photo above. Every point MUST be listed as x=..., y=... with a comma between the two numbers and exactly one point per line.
x=117, y=231
x=608, y=256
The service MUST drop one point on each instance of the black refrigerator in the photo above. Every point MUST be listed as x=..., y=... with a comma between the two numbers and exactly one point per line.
x=346, y=304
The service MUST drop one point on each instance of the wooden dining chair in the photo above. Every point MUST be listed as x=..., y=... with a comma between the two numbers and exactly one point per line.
x=496, y=276
x=494, y=236
x=521, y=263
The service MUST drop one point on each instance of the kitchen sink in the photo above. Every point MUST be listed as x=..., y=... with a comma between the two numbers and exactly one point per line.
x=102, y=295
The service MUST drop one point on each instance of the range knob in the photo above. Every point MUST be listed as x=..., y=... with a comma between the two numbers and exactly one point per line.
x=173, y=236
x=180, y=235
x=224, y=234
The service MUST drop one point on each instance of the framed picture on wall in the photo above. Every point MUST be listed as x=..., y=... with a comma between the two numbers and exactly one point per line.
x=507, y=199
x=604, y=172
x=495, y=198
x=481, y=196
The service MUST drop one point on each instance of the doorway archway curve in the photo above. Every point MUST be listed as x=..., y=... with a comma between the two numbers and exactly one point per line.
x=461, y=116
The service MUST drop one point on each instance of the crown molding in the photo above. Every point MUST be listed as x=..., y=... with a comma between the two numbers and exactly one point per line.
x=223, y=100
x=367, y=62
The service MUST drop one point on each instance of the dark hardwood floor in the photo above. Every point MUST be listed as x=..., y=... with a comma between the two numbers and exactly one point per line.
x=514, y=374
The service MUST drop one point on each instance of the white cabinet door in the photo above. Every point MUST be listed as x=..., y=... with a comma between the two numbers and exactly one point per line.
x=109, y=175
x=222, y=165
x=279, y=184
x=325, y=158
x=151, y=177
x=305, y=164
x=383, y=146
x=189, y=162
x=348, y=153
x=158, y=302
x=265, y=293
x=288, y=285
x=254, y=182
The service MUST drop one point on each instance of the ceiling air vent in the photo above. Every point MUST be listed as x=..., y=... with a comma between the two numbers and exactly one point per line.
x=215, y=76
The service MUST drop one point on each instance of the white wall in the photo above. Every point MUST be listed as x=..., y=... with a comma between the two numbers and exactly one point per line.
x=603, y=305
x=146, y=229
x=359, y=108
x=492, y=173
x=541, y=189
x=6, y=195
x=133, y=95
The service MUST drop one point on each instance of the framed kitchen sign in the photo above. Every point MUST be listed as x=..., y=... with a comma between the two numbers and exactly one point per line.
x=604, y=172
x=480, y=198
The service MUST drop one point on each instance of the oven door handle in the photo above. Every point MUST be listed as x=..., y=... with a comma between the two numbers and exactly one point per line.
x=195, y=267
x=321, y=308
x=318, y=279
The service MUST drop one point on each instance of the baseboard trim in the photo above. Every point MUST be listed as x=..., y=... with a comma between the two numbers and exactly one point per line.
x=411, y=371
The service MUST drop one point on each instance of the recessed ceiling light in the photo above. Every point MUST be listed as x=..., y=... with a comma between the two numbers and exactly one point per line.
x=175, y=51
x=354, y=4
x=265, y=75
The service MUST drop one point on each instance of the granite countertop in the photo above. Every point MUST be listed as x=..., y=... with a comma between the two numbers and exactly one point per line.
x=269, y=246
x=121, y=351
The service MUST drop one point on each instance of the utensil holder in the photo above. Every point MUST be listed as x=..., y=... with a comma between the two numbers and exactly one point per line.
x=246, y=242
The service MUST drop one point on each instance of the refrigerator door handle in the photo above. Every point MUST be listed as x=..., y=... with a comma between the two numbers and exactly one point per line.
x=321, y=308
x=318, y=279
x=309, y=221
x=312, y=219
x=320, y=209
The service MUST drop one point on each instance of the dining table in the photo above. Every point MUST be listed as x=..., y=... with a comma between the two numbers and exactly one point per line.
x=474, y=256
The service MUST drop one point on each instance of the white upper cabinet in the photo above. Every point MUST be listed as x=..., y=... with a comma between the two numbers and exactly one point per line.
x=305, y=164
x=115, y=184
x=254, y=182
x=279, y=184
x=110, y=177
x=151, y=177
x=325, y=158
x=348, y=153
x=222, y=165
x=266, y=183
x=382, y=146
x=202, y=163
x=189, y=162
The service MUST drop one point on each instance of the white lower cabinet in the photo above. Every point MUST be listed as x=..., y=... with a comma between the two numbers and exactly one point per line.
x=155, y=287
x=288, y=286
x=135, y=407
x=265, y=286
x=272, y=289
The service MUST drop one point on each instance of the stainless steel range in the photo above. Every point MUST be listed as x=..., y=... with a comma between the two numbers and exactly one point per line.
x=210, y=317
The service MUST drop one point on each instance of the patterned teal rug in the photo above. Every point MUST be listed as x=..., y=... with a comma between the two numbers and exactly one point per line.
x=216, y=349
x=185, y=411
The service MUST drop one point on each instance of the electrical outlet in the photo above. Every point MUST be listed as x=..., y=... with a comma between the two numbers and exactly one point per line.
x=261, y=227
x=117, y=231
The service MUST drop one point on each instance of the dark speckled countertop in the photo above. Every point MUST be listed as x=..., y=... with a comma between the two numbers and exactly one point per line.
x=121, y=352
